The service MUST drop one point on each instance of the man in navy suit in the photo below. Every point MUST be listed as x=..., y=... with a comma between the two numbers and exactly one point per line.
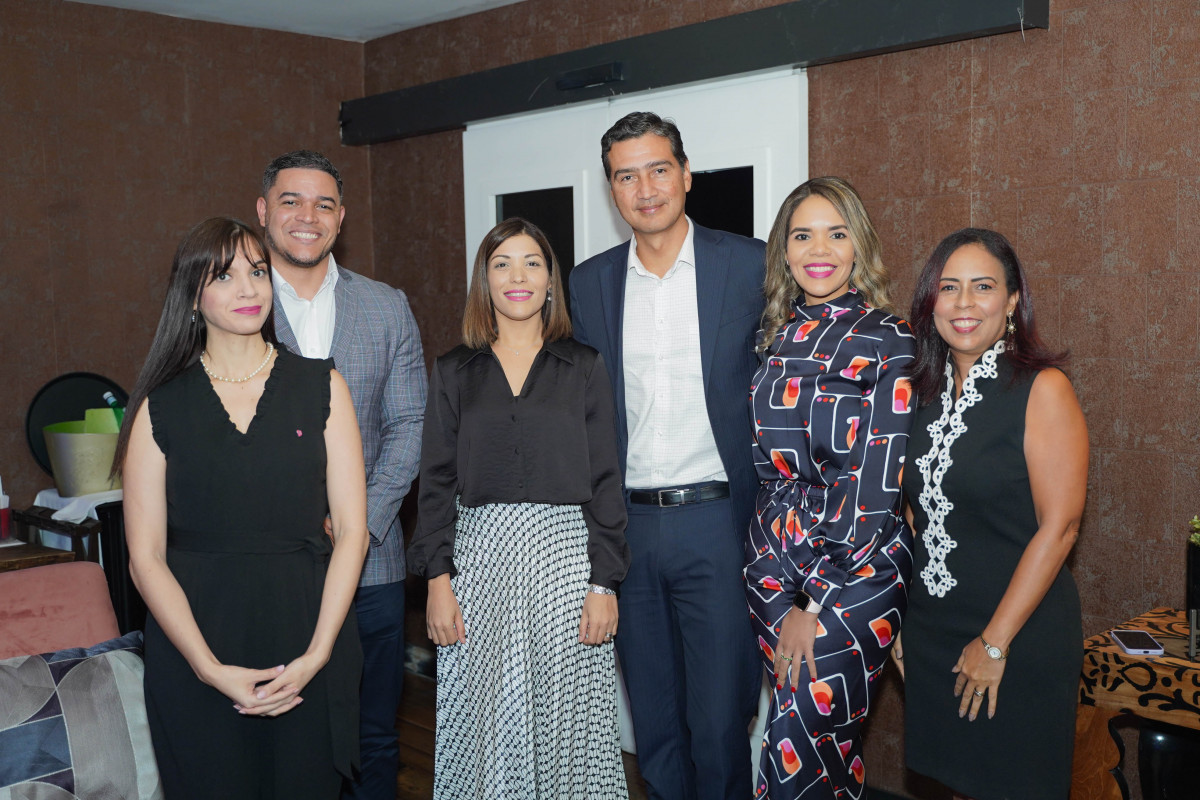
x=323, y=310
x=674, y=313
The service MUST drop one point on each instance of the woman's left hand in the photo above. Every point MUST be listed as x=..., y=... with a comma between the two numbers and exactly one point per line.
x=978, y=674
x=797, y=638
x=295, y=676
x=598, y=622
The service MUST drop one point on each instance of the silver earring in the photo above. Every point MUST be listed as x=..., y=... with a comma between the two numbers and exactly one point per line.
x=1012, y=329
x=193, y=316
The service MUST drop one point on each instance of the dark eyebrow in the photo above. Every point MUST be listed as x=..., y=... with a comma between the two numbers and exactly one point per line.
x=527, y=255
x=298, y=195
x=806, y=230
x=650, y=165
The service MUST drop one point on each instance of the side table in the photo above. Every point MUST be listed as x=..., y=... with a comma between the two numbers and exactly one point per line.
x=85, y=536
x=21, y=556
x=1162, y=688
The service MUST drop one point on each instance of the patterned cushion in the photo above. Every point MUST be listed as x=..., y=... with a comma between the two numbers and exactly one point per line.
x=73, y=724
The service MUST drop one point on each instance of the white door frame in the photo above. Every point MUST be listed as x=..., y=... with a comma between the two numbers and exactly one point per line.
x=758, y=120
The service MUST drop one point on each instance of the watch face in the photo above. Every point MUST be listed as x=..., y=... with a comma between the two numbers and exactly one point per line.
x=994, y=652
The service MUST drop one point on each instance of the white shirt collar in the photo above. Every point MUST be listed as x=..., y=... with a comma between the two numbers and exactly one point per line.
x=687, y=254
x=331, y=278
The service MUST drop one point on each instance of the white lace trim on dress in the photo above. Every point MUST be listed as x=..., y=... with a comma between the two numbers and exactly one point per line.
x=944, y=431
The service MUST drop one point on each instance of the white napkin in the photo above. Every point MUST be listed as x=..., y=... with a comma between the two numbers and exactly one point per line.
x=75, y=509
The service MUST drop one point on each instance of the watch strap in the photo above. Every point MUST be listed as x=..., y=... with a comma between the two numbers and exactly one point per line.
x=990, y=648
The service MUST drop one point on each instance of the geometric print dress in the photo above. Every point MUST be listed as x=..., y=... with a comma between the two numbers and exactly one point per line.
x=832, y=411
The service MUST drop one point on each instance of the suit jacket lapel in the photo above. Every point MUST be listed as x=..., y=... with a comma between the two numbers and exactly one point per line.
x=283, y=329
x=345, y=316
x=712, y=269
x=612, y=296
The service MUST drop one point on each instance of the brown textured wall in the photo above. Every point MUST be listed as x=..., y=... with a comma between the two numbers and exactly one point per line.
x=1080, y=143
x=118, y=131
x=417, y=184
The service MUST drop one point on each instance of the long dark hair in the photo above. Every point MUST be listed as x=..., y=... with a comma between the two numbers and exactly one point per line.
x=1028, y=354
x=205, y=254
x=479, y=317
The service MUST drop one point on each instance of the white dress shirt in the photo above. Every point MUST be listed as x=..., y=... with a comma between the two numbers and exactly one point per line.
x=671, y=442
x=311, y=320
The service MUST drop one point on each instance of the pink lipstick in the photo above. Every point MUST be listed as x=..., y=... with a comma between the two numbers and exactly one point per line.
x=819, y=270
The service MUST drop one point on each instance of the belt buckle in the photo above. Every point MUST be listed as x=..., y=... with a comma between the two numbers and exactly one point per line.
x=680, y=500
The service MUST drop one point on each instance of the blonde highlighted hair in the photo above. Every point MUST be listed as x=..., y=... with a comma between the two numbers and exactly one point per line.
x=868, y=275
x=479, y=317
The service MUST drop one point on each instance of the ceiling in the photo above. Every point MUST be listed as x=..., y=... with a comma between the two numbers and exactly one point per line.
x=353, y=20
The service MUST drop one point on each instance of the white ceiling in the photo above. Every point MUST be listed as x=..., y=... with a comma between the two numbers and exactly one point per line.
x=354, y=20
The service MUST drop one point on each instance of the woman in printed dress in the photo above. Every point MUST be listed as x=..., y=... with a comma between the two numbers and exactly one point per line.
x=829, y=555
x=522, y=536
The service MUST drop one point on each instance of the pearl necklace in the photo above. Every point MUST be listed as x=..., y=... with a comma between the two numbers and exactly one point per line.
x=216, y=377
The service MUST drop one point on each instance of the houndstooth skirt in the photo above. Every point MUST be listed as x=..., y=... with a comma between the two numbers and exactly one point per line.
x=523, y=709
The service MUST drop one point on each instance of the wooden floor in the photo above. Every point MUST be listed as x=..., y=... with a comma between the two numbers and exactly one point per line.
x=415, y=725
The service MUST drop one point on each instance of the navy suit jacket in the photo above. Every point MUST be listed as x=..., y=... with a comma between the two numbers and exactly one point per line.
x=377, y=349
x=729, y=296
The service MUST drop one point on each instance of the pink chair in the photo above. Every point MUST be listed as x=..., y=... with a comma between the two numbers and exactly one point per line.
x=54, y=607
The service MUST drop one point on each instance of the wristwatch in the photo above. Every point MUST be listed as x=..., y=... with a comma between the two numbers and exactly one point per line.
x=804, y=601
x=994, y=653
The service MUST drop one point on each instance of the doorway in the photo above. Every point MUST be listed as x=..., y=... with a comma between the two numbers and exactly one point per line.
x=746, y=140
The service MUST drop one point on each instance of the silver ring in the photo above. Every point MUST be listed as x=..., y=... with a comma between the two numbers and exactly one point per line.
x=608, y=637
x=978, y=693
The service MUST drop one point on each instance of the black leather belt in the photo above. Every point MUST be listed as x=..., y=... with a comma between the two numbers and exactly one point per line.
x=664, y=498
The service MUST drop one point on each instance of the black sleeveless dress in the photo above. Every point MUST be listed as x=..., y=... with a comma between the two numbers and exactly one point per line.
x=245, y=540
x=1024, y=752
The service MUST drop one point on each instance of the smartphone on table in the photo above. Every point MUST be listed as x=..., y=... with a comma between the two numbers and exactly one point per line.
x=1137, y=643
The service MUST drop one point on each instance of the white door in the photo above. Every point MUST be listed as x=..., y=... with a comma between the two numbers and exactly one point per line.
x=758, y=121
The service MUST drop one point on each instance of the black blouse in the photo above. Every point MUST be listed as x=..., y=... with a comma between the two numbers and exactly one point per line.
x=555, y=443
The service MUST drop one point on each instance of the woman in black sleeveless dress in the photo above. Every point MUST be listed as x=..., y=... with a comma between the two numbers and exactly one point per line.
x=996, y=475
x=235, y=454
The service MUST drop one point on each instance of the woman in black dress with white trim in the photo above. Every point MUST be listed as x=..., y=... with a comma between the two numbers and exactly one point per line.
x=996, y=478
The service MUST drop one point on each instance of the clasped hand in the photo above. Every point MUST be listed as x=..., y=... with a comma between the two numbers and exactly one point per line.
x=265, y=692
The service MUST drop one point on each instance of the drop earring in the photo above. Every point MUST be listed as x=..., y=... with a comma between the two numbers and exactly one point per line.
x=1012, y=330
x=193, y=316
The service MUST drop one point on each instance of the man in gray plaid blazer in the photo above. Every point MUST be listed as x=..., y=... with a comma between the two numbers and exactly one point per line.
x=323, y=310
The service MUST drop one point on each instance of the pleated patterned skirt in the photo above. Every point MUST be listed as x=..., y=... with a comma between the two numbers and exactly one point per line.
x=523, y=709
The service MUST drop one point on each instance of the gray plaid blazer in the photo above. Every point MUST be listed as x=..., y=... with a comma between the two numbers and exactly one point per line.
x=377, y=349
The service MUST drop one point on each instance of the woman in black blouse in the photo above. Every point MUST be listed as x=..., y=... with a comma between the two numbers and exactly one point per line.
x=521, y=536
